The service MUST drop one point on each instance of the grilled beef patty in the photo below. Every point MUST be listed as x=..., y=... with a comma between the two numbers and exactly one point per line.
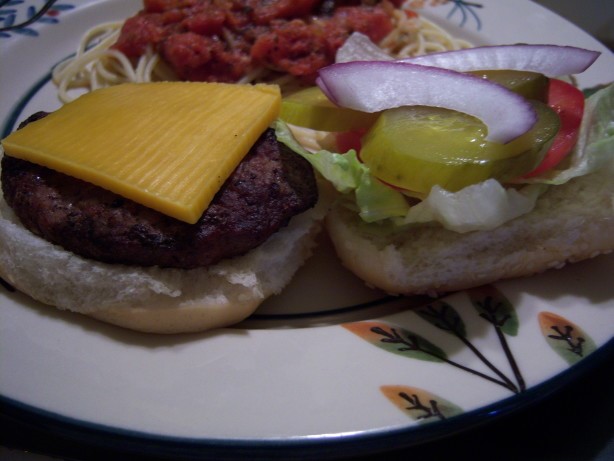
x=269, y=186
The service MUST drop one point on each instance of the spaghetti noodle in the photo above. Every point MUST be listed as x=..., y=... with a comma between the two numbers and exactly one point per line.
x=97, y=64
x=415, y=35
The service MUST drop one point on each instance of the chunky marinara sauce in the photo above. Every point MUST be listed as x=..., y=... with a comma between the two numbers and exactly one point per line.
x=223, y=40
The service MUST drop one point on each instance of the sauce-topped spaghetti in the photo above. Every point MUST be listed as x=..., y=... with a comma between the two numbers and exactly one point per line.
x=283, y=41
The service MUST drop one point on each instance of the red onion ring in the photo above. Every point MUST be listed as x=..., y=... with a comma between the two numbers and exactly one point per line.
x=373, y=86
x=550, y=60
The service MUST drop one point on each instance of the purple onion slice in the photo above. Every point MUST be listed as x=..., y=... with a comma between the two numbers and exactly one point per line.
x=373, y=86
x=550, y=60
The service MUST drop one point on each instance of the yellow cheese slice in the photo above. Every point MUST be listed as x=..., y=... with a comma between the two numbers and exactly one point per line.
x=169, y=145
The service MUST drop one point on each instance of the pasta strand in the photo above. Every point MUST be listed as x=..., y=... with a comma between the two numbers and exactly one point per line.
x=96, y=65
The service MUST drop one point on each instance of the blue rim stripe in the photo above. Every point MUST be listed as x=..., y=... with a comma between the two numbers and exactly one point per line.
x=316, y=447
x=11, y=122
x=335, y=311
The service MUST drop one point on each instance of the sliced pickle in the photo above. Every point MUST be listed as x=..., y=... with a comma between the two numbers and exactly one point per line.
x=415, y=148
x=531, y=85
x=310, y=108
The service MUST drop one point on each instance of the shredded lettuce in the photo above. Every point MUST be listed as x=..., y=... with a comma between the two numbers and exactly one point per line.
x=374, y=200
x=481, y=206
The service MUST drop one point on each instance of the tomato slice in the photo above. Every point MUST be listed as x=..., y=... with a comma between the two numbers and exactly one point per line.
x=568, y=102
x=351, y=139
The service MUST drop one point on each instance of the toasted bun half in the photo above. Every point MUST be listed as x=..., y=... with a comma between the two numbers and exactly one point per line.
x=571, y=222
x=154, y=299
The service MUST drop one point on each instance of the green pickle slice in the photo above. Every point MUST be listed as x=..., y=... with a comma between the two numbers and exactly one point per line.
x=417, y=147
x=310, y=108
x=531, y=85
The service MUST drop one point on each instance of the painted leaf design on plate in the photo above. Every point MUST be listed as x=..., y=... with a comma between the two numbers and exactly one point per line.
x=16, y=19
x=467, y=11
x=566, y=338
x=443, y=316
x=400, y=341
x=419, y=404
x=397, y=340
x=495, y=308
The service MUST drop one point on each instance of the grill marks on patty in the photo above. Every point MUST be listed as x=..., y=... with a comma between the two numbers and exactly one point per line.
x=269, y=186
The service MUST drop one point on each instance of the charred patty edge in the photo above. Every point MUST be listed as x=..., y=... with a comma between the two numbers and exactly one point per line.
x=270, y=186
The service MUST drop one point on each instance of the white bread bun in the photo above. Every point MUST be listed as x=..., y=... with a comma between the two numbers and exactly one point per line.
x=153, y=299
x=571, y=222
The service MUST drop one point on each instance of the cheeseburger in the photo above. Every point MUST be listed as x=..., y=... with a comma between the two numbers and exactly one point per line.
x=107, y=252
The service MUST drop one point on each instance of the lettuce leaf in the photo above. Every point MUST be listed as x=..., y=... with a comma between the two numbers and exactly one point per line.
x=481, y=206
x=374, y=200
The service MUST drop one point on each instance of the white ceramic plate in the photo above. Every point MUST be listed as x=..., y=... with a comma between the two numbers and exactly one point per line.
x=327, y=364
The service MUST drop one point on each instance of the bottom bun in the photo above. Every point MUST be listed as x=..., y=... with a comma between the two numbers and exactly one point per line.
x=571, y=222
x=154, y=299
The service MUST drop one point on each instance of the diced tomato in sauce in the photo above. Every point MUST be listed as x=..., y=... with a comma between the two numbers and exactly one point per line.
x=301, y=48
x=374, y=22
x=222, y=40
x=159, y=6
x=199, y=58
x=138, y=32
x=267, y=11
x=292, y=47
x=209, y=22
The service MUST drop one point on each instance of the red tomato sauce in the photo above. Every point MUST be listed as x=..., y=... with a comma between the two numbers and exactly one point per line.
x=223, y=40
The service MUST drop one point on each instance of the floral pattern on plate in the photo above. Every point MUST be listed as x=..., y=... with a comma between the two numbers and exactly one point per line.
x=568, y=340
x=466, y=11
x=18, y=16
